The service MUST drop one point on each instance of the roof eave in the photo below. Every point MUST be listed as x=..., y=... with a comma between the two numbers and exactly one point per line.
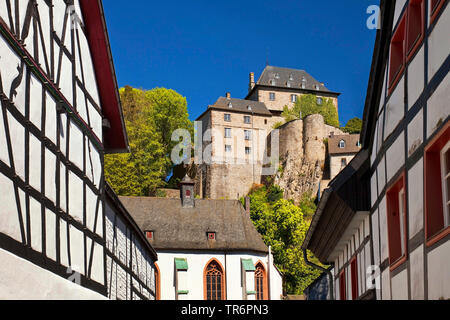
x=115, y=138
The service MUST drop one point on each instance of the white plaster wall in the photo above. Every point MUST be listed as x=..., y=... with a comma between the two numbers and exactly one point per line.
x=417, y=274
x=438, y=109
x=36, y=283
x=383, y=231
x=416, y=78
x=400, y=286
x=415, y=198
x=399, y=5
x=395, y=157
x=374, y=188
x=439, y=272
x=395, y=108
x=415, y=133
x=386, y=285
x=196, y=265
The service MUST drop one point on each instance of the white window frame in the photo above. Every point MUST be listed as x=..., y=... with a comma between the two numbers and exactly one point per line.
x=227, y=117
x=227, y=130
x=294, y=98
x=247, y=135
x=249, y=120
x=444, y=177
x=272, y=96
x=342, y=144
x=228, y=148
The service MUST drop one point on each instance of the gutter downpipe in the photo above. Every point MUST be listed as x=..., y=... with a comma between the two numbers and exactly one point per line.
x=327, y=271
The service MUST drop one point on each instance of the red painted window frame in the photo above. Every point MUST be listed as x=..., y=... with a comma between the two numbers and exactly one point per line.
x=435, y=8
x=435, y=229
x=149, y=235
x=394, y=232
x=342, y=286
x=416, y=11
x=397, y=44
x=354, y=277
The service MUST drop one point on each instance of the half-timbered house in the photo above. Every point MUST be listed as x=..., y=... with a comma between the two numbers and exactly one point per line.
x=60, y=113
x=384, y=221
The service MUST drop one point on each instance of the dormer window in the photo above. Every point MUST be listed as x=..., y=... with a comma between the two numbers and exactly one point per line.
x=150, y=235
x=317, y=87
x=211, y=236
x=230, y=105
x=288, y=84
x=303, y=83
x=291, y=77
x=342, y=144
x=277, y=76
x=272, y=82
x=249, y=108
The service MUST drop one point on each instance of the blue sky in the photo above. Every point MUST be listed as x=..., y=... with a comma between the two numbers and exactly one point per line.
x=203, y=49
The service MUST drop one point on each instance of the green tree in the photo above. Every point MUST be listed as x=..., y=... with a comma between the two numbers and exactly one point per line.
x=308, y=104
x=283, y=227
x=353, y=126
x=150, y=117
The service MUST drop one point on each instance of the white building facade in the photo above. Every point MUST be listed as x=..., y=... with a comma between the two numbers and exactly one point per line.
x=60, y=113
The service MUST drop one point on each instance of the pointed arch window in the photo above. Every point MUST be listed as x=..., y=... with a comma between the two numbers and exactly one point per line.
x=214, y=281
x=261, y=282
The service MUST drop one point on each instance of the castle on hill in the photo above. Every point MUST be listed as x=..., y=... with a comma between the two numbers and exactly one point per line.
x=242, y=141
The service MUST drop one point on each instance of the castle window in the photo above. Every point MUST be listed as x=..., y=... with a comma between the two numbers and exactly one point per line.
x=248, y=150
x=319, y=101
x=248, y=135
x=437, y=187
x=303, y=83
x=342, y=144
x=272, y=96
x=247, y=120
x=294, y=98
x=343, y=162
x=230, y=105
x=227, y=148
x=227, y=117
x=273, y=82
x=227, y=132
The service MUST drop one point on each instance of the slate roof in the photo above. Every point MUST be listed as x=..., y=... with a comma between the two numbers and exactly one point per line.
x=178, y=228
x=239, y=105
x=283, y=76
x=351, y=144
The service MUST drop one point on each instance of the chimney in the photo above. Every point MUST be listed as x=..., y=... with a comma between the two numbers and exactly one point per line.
x=252, y=81
x=187, y=192
x=247, y=205
x=228, y=95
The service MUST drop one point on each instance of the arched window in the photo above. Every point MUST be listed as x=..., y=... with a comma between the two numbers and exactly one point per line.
x=261, y=282
x=342, y=144
x=214, y=281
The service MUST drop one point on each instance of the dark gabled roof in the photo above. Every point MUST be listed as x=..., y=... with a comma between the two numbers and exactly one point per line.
x=282, y=76
x=178, y=228
x=239, y=105
x=351, y=144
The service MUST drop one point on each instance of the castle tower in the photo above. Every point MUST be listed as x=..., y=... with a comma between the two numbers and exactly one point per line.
x=314, y=135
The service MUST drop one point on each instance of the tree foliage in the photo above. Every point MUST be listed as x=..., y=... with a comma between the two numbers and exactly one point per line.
x=353, y=126
x=307, y=105
x=150, y=117
x=283, y=227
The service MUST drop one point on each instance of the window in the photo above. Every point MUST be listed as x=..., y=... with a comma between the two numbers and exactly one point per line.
x=272, y=96
x=436, y=6
x=396, y=220
x=415, y=26
x=265, y=121
x=248, y=135
x=342, y=144
x=354, y=274
x=230, y=105
x=343, y=162
x=247, y=120
x=261, y=282
x=319, y=100
x=214, y=284
x=150, y=235
x=288, y=84
x=227, y=117
x=437, y=187
x=291, y=77
x=211, y=236
x=273, y=82
x=227, y=148
x=294, y=98
x=248, y=150
x=342, y=286
x=227, y=132
x=303, y=83
x=397, y=57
